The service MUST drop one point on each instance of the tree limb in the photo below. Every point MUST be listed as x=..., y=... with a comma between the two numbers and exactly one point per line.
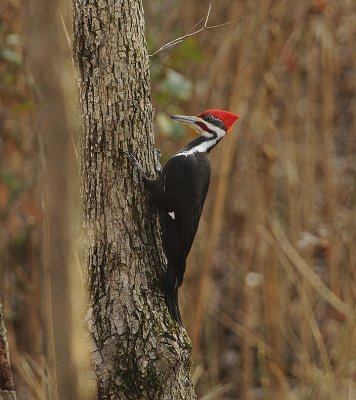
x=174, y=43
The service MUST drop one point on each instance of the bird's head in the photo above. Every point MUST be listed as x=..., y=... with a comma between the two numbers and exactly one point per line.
x=211, y=123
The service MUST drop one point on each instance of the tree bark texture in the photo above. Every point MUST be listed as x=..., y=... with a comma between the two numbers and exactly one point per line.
x=138, y=352
x=7, y=390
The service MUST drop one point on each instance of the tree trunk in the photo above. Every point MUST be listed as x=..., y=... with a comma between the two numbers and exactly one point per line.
x=138, y=350
x=7, y=390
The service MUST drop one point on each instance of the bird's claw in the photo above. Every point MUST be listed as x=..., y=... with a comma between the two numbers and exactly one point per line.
x=137, y=169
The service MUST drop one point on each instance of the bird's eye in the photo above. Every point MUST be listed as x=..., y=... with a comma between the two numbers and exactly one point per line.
x=208, y=117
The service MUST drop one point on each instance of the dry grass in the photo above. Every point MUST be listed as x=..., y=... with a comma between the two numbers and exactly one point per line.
x=274, y=262
x=269, y=294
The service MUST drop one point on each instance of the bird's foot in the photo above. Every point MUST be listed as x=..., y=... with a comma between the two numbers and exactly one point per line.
x=137, y=169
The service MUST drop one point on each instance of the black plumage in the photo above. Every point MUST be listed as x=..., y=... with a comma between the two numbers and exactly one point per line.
x=179, y=194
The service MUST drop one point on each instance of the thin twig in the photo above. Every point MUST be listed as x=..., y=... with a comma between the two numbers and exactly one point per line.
x=174, y=43
x=173, y=47
x=224, y=24
x=181, y=38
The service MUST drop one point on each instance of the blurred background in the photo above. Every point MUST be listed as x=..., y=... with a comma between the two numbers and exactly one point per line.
x=269, y=294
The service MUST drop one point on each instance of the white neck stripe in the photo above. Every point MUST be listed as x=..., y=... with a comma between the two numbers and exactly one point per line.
x=201, y=148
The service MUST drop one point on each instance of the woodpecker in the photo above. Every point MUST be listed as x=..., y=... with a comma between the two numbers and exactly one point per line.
x=179, y=194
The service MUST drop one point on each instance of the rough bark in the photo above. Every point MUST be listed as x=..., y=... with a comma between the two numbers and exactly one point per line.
x=7, y=390
x=138, y=351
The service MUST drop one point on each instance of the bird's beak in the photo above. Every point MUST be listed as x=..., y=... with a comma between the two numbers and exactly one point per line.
x=186, y=119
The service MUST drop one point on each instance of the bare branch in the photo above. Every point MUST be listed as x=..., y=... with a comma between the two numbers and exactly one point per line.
x=164, y=55
x=174, y=43
x=173, y=46
x=224, y=24
x=180, y=39
x=207, y=16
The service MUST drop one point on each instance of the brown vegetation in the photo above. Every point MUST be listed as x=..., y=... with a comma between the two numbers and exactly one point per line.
x=274, y=262
x=269, y=294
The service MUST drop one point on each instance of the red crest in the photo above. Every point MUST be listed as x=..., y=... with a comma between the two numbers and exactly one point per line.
x=228, y=118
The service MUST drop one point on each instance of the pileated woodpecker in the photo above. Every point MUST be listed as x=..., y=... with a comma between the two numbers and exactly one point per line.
x=179, y=194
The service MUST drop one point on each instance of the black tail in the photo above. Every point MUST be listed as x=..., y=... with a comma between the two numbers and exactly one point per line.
x=176, y=259
x=172, y=294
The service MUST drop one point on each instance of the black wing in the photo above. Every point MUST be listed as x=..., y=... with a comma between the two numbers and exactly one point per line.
x=186, y=182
